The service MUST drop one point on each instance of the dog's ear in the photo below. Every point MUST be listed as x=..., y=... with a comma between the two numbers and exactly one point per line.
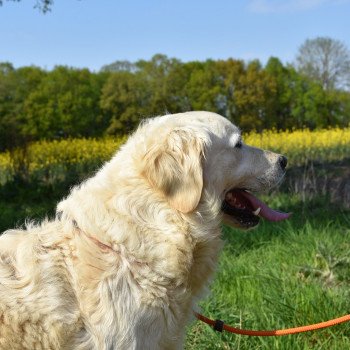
x=173, y=165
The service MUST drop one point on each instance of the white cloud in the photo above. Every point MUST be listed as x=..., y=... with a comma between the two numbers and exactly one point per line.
x=278, y=6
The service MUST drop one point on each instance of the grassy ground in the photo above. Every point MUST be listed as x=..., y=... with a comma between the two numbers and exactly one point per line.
x=19, y=202
x=281, y=276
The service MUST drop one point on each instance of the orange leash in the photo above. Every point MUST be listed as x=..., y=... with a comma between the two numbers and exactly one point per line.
x=219, y=326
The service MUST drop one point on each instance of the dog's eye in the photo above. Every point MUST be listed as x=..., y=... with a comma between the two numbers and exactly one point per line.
x=238, y=144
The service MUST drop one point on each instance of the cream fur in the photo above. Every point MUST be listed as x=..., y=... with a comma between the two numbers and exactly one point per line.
x=156, y=203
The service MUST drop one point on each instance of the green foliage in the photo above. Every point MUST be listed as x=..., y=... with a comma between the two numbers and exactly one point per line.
x=123, y=101
x=15, y=87
x=36, y=104
x=65, y=103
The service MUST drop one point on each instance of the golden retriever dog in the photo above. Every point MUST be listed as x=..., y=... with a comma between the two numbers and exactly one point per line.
x=133, y=248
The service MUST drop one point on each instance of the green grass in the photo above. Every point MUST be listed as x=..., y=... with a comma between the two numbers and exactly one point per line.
x=21, y=201
x=281, y=276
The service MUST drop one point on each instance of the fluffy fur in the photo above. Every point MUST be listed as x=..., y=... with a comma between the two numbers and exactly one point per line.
x=133, y=248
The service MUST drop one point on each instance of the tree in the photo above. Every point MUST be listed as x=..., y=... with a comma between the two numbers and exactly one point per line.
x=119, y=66
x=155, y=74
x=15, y=87
x=124, y=100
x=229, y=73
x=65, y=104
x=43, y=5
x=325, y=60
x=279, y=104
x=204, y=87
x=69, y=102
x=138, y=90
x=253, y=92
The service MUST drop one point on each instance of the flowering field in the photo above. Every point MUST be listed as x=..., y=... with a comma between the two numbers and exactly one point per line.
x=303, y=146
x=51, y=160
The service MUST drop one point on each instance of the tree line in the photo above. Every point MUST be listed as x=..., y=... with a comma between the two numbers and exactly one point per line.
x=69, y=102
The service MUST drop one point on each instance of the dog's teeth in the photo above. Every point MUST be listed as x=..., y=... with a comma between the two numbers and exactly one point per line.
x=257, y=211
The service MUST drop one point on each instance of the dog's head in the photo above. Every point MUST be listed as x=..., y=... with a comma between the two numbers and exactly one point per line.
x=185, y=154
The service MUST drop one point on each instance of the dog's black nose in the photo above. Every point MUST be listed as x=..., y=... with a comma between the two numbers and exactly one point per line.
x=283, y=162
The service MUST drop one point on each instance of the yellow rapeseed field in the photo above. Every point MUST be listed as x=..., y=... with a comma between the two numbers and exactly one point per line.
x=300, y=146
x=72, y=151
x=69, y=152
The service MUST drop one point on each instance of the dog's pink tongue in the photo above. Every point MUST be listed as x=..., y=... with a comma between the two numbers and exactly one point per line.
x=265, y=212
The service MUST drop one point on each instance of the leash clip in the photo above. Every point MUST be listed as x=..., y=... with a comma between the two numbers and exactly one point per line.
x=218, y=326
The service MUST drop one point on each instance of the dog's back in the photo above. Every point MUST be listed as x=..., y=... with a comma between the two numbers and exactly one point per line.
x=38, y=308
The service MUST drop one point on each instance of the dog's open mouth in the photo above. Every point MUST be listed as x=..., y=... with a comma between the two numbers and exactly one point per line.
x=245, y=209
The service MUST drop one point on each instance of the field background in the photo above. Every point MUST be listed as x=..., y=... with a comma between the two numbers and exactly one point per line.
x=276, y=276
x=76, y=77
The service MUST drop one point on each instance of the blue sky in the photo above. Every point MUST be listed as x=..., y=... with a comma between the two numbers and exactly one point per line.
x=91, y=33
